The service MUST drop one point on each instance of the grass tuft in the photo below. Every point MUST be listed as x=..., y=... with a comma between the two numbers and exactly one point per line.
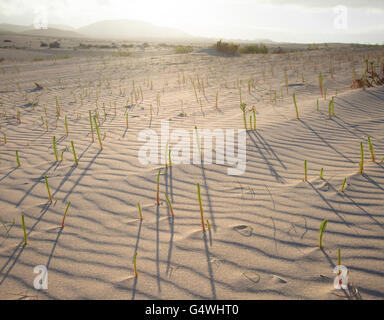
x=321, y=232
x=24, y=229
x=65, y=214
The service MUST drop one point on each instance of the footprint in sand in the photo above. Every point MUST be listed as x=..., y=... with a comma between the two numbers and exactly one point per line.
x=252, y=276
x=324, y=186
x=245, y=231
x=277, y=279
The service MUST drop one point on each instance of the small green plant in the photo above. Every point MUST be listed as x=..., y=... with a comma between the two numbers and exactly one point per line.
x=317, y=106
x=158, y=188
x=198, y=140
x=242, y=107
x=90, y=122
x=201, y=206
x=134, y=265
x=54, y=148
x=338, y=257
x=305, y=171
x=24, y=229
x=343, y=185
x=98, y=133
x=74, y=153
x=65, y=214
x=294, y=101
x=49, y=191
x=371, y=149
x=321, y=83
x=321, y=232
x=361, y=164
x=321, y=173
x=170, y=205
x=140, y=214
x=66, y=125
x=254, y=117
x=17, y=158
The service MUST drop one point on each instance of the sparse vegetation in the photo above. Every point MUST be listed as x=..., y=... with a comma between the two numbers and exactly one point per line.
x=254, y=49
x=227, y=48
x=54, y=44
x=183, y=49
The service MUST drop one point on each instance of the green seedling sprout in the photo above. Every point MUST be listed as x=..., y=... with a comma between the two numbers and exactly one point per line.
x=169, y=158
x=65, y=214
x=24, y=229
x=321, y=232
x=74, y=153
x=134, y=265
x=317, y=106
x=62, y=156
x=198, y=140
x=330, y=109
x=201, y=206
x=338, y=257
x=17, y=158
x=54, y=148
x=49, y=191
x=321, y=173
x=254, y=117
x=170, y=205
x=242, y=107
x=157, y=188
x=217, y=99
x=321, y=83
x=140, y=214
x=294, y=101
x=343, y=185
x=98, y=133
x=361, y=164
x=371, y=149
x=90, y=122
x=66, y=125
x=305, y=171
x=208, y=225
x=5, y=138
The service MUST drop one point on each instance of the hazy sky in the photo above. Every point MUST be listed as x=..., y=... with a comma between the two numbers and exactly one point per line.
x=279, y=20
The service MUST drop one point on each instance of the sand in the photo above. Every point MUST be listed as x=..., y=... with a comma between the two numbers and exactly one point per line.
x=263, y=236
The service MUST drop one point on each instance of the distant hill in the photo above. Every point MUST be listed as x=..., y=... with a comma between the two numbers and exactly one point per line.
x=4, y=27
x=130, y=29
x=51, y=32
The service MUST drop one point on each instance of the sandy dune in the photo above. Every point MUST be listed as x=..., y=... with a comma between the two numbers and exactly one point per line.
x=263, y=240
